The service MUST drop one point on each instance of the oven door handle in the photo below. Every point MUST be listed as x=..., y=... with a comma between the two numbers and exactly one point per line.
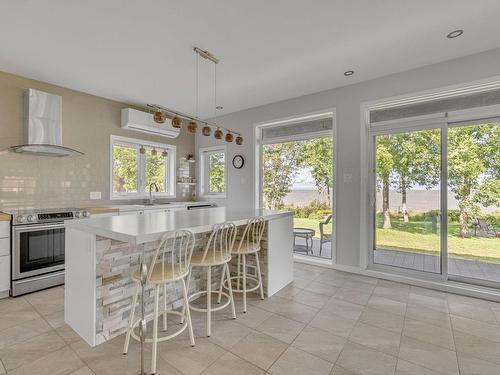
x=35, y=227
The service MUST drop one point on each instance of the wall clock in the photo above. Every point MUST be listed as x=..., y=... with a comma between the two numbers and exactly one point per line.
x=238, y=161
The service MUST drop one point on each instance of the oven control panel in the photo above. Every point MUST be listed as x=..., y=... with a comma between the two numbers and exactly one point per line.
x=55, y=216
x=48, y=216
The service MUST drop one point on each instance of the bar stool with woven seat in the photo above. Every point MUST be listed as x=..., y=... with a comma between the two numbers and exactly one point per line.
x=217, y=253
x=249, y=244
x=170, y=263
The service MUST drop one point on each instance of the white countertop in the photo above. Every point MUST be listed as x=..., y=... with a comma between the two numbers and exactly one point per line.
x=137, y=229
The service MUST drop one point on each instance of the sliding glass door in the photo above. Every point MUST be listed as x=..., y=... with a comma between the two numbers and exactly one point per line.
x=437, y=198
x=473, y=202
x=408, y=201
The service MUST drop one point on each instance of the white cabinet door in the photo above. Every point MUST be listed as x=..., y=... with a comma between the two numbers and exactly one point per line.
x=4, y=229
x=4, y=246
x=4, y=273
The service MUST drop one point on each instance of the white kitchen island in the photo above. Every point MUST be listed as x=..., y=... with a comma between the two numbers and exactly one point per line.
x=103, y=252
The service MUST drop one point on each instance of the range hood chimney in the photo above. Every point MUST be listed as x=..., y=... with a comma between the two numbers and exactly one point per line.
x=43, y=126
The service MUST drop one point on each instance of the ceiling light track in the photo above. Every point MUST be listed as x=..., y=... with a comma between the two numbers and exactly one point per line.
x=172, y=113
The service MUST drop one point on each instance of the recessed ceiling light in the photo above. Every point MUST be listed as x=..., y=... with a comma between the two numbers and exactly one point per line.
x=349, y=73
x=219, y=107
x=454, y=34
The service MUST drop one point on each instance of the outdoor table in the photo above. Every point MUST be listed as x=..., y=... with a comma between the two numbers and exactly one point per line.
x=307, y=234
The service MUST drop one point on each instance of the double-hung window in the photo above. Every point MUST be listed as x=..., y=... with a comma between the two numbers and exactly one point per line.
x=213, y=171
x=137, y=164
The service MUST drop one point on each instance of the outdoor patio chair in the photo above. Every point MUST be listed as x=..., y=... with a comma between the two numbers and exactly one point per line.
x=324, y=237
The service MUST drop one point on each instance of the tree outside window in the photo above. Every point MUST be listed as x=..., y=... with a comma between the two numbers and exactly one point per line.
x=133, y=171
x=213, y=171
x=216, y=172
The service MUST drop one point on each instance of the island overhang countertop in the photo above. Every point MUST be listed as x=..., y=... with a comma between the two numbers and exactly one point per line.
x=149, y=227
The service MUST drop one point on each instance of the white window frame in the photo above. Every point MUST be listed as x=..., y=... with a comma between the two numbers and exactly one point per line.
x=142, y=192
x=204, y=152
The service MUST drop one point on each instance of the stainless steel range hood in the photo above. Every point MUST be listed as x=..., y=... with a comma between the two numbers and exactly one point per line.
x=43, y=126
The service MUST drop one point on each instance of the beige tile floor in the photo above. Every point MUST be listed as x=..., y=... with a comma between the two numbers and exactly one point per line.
x=325, y=322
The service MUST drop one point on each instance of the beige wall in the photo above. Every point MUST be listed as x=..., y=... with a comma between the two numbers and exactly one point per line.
x=88, y=122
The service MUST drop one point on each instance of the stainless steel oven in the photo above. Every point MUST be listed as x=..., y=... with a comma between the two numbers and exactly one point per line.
x=38, y=248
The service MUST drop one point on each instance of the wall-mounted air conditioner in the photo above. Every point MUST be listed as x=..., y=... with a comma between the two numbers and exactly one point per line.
x=143, y=122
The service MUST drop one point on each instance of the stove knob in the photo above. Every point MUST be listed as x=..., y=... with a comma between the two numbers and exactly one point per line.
x=21, y=219
x=31, y=218
x=86, y=214
x=78, y=214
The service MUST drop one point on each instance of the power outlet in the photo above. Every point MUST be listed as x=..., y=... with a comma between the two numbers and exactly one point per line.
x=95, y=195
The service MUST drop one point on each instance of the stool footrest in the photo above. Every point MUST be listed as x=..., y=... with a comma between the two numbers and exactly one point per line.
x=163, y=338
x=236, y=288
x=201, y=309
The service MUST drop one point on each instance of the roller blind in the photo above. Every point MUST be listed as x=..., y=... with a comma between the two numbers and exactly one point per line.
x=297, y=129
x=468, y=101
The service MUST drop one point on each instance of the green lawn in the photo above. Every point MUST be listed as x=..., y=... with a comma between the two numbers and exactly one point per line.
x=418, y=237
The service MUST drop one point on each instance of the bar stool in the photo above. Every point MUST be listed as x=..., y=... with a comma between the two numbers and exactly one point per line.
x=249, y=244
x=217, y=253
x=170, y=263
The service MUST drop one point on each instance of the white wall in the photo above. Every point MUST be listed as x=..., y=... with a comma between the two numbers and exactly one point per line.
x=347, y=101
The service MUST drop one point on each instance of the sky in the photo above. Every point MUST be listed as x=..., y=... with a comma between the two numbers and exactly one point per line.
x=304, y=180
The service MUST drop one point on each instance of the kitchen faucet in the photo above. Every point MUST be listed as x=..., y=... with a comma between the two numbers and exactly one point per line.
x=151, y=199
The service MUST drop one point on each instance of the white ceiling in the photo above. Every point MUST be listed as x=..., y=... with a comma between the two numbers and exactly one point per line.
x=270, y=50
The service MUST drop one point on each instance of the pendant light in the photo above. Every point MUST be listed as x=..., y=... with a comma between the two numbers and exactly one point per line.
x=218, y=134
x=142, y=150
x=159, y=116
x=164, y=153
x=176, y=122
x=153, y=152
x=229, y=137
x=192, y=125
x=206, y=131
x=239, y=140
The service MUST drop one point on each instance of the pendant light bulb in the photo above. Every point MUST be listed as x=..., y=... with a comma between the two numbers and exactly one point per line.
x=153, y=152
x=176, y=122
x=206, y=131
x=192, y=126
x=218, y=134
x=159, y=116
